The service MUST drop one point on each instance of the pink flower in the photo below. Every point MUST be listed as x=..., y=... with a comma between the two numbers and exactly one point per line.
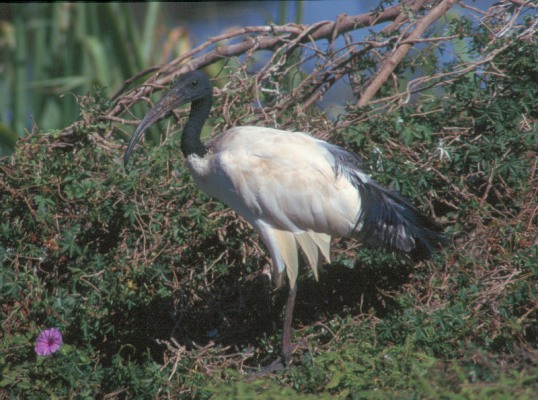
x=48, y=342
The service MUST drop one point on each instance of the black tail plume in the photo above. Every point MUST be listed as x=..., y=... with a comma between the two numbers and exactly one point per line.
x=391, y=222
x=386, y=219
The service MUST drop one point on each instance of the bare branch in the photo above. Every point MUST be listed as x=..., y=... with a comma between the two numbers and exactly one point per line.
x=391, y=63
x=264, y=38
x=311, y=56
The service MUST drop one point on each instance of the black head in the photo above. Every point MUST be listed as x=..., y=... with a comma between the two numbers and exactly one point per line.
x=188, y=88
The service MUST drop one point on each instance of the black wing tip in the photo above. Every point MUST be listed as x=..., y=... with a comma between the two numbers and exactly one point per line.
x=388, y=220
x=393, y=223
x=428, y=243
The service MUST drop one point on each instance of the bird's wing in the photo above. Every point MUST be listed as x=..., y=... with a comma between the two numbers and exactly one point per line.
x=289, y=180
x=287, y=186
x=291, y=185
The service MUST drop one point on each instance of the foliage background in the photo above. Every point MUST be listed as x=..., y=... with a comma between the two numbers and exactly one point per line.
x=159, y=290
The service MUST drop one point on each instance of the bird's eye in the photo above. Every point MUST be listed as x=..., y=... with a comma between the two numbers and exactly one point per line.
x=194, y=83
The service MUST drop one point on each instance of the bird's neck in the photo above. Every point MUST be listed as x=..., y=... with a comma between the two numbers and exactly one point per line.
x=190, y=140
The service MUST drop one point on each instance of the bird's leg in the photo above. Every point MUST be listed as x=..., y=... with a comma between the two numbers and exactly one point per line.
x=286, y=332
x=287, y=348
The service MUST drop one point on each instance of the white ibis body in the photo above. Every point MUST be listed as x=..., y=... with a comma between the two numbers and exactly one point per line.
x=295, y=190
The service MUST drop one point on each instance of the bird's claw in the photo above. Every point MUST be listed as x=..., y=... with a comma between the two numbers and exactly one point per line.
x=282, y=363
x=275, y=366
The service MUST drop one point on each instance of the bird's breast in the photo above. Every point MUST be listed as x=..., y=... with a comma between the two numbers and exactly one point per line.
x=205, y=174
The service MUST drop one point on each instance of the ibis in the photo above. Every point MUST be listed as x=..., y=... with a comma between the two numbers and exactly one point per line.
x=295, y=190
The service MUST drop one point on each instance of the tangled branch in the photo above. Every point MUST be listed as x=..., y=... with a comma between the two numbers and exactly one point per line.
x=283, y=40
x=315, y=58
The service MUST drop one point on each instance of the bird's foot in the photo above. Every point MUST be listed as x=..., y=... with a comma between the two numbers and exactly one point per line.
x=275, y=366
x=282, y=363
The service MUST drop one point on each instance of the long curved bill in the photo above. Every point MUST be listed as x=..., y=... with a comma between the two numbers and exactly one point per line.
x=163, y=107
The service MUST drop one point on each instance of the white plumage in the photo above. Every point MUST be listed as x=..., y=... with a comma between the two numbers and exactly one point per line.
x=258, y=171
x=295, y=190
